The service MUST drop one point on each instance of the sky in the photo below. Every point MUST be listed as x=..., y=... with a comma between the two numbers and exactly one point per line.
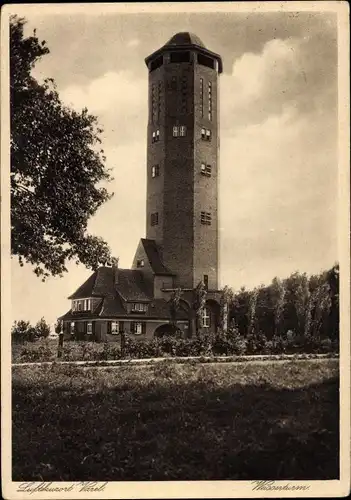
x=278, y=137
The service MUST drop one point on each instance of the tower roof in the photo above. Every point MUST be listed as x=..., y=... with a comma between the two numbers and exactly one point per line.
x=185, y=38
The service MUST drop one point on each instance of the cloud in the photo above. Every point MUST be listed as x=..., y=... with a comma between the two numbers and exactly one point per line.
x=293, y=72
x=134, y=42
x=119, y=100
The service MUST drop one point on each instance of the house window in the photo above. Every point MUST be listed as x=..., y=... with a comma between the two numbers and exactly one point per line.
x=87, y=305
x=155, y=170
x=206, y=318
x=206, y=169
x=140, y=263
x=139, y=307
x=114, y=327
x=154, y=219
x=206, y=281
x=206, y=218
x=138, y=327
x=72, y=327
x=89, y=328
x=182, y=131
x=74, y=305
x=175, y=131
x=156, y=136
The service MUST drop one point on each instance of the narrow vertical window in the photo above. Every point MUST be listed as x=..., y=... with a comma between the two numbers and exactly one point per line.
x=201, y=97
x=155, y=171
x=175, y=131
x=210, y=101
x=153, y=103
x=89, y=328
x=206, y=281
x=182, y=132
x=154, y=219
x=206, y=318
x=159, y=100
x=72, y=328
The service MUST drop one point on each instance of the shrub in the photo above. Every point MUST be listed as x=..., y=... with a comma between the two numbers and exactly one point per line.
x=42, y=329
x=23, y=331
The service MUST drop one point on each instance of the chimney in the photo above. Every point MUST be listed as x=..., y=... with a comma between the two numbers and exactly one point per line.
x=114, y=262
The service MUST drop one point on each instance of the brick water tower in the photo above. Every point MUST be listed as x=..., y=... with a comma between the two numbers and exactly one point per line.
x=183, y=159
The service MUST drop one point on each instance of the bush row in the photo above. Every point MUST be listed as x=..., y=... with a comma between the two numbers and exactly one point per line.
x=217, y=345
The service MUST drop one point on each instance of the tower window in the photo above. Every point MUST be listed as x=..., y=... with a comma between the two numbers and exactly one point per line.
x=155, y=170
x=206, y=218
x=156, y=136
x=179, y=57
x=179, y=131
x=156, y=63
x=154, y=219
x=206, y=169
x=210, y=101
x=206, y=61
x=159, y=100
x=202, y=97
x=206, y=281
x=173, y=83
x=205, y=134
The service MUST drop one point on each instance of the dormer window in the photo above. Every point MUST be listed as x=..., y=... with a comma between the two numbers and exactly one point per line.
x=81, y=305
x=139, y=307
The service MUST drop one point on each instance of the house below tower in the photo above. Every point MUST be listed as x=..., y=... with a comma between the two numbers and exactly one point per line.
x=135, y=301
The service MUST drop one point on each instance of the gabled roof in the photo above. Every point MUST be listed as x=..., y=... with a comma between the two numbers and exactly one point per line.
x=101, y=283
x=154, y=258
x=113, y=308
x=131, y=285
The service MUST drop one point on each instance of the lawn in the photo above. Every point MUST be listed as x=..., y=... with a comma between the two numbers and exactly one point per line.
x=176, y=422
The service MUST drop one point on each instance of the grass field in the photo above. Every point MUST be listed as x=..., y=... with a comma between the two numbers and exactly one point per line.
x=176, y=422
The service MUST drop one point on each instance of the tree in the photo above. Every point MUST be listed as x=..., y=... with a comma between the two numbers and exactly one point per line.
x=57, y=168
x=278, y=299
x=42, y=329
x=22, y=331
x=227, y=296
x=175, y=305
x=199, y=304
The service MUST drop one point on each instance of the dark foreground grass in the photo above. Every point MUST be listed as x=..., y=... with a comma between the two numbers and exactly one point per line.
x=176, y=422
